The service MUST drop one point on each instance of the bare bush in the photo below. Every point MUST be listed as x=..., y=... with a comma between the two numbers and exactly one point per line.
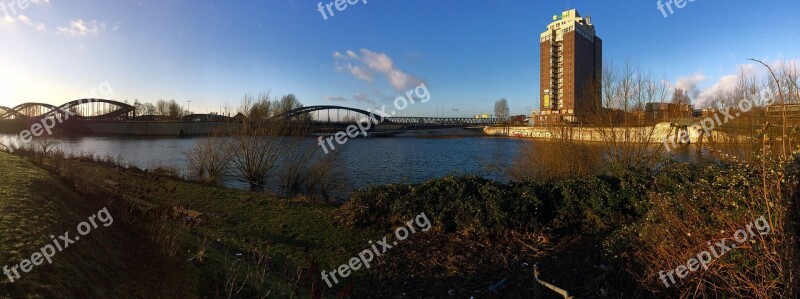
x=209, y=159
x=544, y=161
x=327, y=175
x=683, y=225
x=46, y=144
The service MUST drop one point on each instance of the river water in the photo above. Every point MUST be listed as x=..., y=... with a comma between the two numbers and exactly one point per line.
x=374, y=161
x=365, y=162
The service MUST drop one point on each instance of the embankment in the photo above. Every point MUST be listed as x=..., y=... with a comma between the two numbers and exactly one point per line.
x=650, y=134
x=153, y=128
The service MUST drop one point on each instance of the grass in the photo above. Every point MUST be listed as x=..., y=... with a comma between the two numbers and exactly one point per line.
x=109, y=262
x=296, y=233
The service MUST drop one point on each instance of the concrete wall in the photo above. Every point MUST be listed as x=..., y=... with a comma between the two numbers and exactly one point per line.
x=655, y=134
x=153, y=128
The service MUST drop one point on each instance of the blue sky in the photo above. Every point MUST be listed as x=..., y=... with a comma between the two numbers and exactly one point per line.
x=469, y=53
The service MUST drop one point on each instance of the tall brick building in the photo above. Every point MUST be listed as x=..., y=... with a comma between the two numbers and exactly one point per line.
x=571, y=70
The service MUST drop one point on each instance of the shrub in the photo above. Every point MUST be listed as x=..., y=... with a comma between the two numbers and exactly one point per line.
x=454, y=204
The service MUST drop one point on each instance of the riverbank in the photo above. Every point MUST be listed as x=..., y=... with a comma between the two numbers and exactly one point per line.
x=114, y=261
x=598, y=235
x=658, y=133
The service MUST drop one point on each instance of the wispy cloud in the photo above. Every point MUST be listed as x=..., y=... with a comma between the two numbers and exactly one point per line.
x=24, y=20
x=690, y=84
x=727, y=83
x=81, y=28
x=21, y=19
x=366, y=64
x=334, y=99
x=363, y=98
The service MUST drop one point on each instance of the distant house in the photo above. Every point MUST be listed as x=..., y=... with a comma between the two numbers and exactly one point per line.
x=776, y=110
x=667, y=111
x=519, y=120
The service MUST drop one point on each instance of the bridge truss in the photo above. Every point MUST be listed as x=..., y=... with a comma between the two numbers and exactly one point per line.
x=88, y=109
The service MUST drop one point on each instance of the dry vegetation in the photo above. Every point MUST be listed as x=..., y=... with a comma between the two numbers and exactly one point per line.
x=266, y=146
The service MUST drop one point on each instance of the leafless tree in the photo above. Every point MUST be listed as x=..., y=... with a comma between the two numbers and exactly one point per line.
x=681, y=97
x=501, y=109
x=618, y=121
x=256, y=143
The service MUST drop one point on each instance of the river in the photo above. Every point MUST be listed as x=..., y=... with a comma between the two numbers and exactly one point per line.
x=365, y=162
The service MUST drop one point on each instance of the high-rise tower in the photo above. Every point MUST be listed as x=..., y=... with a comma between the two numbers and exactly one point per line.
x=571, y=67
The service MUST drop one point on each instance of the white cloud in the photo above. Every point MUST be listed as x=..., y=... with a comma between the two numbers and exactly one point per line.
x=364, y=98
x=364, y=66
x=21, y=19
x=334, y=99
x=360, y=72
x=8, y=19
x=80, y=28
x=377, y=61
x=24, y=20
x=727, y=83
x=690, y=84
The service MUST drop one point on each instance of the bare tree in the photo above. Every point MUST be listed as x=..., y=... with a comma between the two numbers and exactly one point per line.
x=162, y=108
x=175, y=111
x=255, y=145
x=501, y=109
x=681, y=97
x=619, y=122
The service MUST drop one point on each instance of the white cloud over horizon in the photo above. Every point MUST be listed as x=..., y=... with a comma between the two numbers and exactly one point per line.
x=366, y=64
x=703, y=97
x=81, y=28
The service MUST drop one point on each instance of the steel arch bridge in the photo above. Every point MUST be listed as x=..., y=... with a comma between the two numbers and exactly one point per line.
x=453, y=121
x=86, y=109
x=305, y=110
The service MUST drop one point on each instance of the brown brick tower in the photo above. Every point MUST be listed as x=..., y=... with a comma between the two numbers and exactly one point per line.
x=571, y=63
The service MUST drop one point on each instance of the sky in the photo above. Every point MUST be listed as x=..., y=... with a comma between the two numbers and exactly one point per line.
x=467, y=53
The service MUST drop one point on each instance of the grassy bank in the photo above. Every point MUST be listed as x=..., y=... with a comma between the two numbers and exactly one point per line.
x=245, y=242
x=111, y=261
x=595, y=235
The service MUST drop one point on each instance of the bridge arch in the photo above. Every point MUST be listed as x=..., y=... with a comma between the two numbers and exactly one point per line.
x=304, y=110
x=90, y=109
